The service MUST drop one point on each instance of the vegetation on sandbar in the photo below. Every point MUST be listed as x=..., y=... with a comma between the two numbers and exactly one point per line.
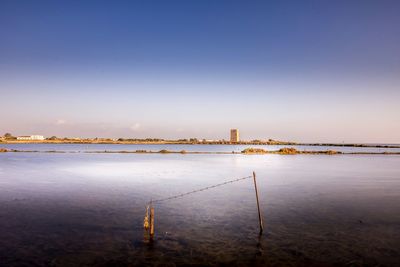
x=247, y=151
x=293, y=151
x=288, y=151
x=252, y=150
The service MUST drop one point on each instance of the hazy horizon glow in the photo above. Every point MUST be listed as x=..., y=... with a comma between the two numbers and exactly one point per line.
x=312, y=71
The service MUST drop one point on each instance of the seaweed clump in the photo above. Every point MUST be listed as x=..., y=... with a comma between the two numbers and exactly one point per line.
x=288, y=151
x=332, y=152
x=254, y=151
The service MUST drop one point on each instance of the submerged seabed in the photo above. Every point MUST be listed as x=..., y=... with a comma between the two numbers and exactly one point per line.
x=88, y=209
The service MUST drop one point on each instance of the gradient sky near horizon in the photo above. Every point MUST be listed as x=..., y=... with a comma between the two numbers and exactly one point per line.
x=313, y=71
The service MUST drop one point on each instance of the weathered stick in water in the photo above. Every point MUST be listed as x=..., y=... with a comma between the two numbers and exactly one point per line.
x=151, y=222
x=260, y=220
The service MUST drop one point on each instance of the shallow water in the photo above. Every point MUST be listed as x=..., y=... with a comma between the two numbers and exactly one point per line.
x=192, y=148
x=87, y=209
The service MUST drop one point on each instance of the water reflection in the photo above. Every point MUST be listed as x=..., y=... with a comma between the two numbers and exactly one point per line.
x=87, y=209
x=196, y=148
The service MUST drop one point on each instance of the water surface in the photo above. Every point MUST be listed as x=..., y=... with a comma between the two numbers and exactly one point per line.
x=191, y=148
x=87, y=209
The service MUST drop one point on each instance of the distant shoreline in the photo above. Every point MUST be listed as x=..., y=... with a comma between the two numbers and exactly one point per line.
x=284, y=151
x=174, y=142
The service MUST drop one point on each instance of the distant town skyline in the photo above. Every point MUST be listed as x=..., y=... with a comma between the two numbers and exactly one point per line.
x=305, y=71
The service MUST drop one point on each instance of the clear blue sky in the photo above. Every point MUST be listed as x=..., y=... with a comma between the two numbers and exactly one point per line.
x=289, y=70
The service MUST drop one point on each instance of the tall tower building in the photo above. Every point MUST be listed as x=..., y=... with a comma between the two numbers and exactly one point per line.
x=234, y=135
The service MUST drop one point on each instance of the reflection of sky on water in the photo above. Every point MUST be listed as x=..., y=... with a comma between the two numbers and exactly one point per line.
x=196, y=148
x=311, y=204
x=64, y=172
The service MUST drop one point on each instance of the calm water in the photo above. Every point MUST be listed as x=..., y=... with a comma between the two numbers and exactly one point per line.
x=195, y=148
x=87, y=209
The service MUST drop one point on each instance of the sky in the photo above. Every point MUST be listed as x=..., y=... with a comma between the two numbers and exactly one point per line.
x=306, y=71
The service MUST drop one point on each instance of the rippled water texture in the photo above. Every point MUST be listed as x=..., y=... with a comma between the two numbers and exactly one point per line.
x=191, y=148
x=87, y=209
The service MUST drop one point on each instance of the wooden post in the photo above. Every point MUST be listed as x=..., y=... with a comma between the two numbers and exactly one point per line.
x=151, y=221
x=258, y=204
x=147, y=223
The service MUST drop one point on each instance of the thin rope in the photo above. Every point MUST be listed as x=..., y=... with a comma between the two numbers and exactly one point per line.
x=199, y=190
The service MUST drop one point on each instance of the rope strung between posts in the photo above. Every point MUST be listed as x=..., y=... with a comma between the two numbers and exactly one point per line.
x=199, y=190
x=148, y=222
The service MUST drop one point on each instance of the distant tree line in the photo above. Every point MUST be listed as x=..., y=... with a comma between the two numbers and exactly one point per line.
x=140, y=140
x=9, y=136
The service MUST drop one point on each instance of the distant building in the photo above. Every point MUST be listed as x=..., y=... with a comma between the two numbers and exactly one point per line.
x=30, y=137
x=208, y=140
x=234, y=135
